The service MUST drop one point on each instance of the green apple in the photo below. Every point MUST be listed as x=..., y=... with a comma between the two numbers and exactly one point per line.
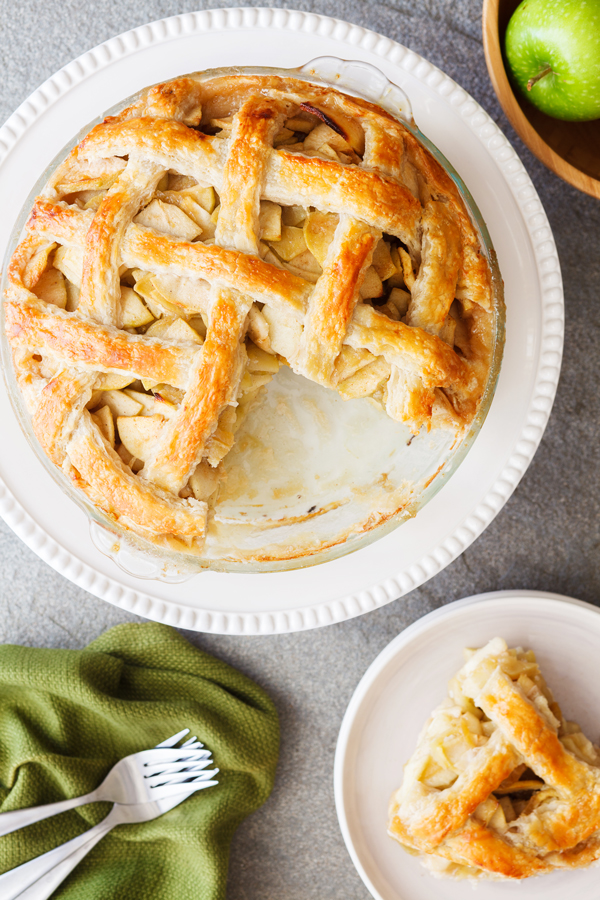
x=553, y=52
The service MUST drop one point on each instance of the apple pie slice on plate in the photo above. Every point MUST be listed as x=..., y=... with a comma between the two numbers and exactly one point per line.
x=500, y=786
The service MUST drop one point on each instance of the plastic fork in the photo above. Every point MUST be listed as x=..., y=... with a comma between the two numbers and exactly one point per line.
x=149, y=775
x=39, y=878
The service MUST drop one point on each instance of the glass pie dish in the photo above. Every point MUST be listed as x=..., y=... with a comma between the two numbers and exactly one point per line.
x=310, y=476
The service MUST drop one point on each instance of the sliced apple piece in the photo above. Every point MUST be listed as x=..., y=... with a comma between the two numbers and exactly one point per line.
x=158, y=328
x=318, y=136
x=103, y=418
x=371, y=286
x=188, y=204
x=284, y=135
x=110, y=382
x=199, y=325
x=293, y=215
x=366, y=380
x=319, y=229
x=120, y=404
x=146, y=401
x=397, y=279
x=225, y=123
x=259, y=361
x=407, y=269
x=400, y=299
x=291, y=244
x=350, y=361
x=51, y=288
x=204, y=481
x=98, y=174
x=284, y=332
x=168, y=219
x=177, y=182
x=168, y=393
x=382, y=260
x=94, y=401
x=328, y=152
x=252, y=381
x=69, y=260
x=270, y=221
x=448, y=329
x=72, y=296
x=388, y=309
x=222, y=439
x=134, y=313
x=301, y=125
x=140, y=433
x=306, y=266
x=344, y=126
x=258, y=330
x=203, y=196
x=353, y=131
x=170, y=293
x=179, y=330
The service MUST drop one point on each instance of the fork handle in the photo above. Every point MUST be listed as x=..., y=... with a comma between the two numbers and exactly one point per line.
x=63, y=858
x=19, y=818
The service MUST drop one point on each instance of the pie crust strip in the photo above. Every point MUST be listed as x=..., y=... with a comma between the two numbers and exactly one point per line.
x=214, y=381
x=70, y=339
x=334, y=298
x=99, y=472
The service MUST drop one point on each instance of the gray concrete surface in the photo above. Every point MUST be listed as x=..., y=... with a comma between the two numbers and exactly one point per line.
x=546, y=538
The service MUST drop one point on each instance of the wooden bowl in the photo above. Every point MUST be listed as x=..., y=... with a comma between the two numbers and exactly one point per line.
x=570, y=149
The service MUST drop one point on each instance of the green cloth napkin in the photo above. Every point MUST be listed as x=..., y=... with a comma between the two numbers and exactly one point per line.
x=66, y=716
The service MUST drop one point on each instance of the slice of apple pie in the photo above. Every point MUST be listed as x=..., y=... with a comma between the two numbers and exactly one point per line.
x=500, y=785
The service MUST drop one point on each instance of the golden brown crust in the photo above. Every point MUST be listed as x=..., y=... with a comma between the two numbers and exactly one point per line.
x=74, y=340
x=334, y=298
x=411, y=348
x=97, y=471
x=92, y=224
x=463, y=823
x=61, y=400
x=441, y=257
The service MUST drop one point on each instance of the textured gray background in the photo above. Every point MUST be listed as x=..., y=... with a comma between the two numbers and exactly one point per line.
x=546, y=538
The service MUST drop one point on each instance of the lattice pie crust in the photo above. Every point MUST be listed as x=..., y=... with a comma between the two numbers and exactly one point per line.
x=210, y=232
x=500, y=785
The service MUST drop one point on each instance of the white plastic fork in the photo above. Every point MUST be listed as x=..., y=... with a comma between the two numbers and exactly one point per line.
x=149, y=775
x=39, y=878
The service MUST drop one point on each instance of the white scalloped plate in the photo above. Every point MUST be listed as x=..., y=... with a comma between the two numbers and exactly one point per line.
x=55, y=528
x=407, y=681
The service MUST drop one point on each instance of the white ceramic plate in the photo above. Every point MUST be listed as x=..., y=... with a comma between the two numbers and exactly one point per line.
x=33, y=505
x=399, y=691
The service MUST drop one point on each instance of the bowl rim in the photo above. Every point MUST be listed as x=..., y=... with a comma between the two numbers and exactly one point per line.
x=509, y=103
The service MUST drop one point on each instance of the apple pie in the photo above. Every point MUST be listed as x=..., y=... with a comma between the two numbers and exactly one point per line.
x=219, y=227
x=500, y=785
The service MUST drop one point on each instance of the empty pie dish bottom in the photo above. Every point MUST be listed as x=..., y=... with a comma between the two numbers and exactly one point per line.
x=311, y=477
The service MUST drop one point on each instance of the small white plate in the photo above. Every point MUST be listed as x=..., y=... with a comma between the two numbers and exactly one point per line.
x=55, y=528
x=407, y=681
